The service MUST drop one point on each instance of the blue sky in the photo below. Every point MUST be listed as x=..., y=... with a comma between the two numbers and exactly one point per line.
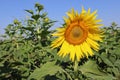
x=108, y=10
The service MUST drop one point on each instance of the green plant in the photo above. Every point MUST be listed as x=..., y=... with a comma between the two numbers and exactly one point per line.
x=25, y=46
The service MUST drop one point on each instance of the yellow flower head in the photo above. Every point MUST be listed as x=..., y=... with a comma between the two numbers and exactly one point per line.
x=79, y=35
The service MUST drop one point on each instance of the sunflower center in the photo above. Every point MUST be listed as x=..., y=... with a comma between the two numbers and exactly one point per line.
x=75, y=34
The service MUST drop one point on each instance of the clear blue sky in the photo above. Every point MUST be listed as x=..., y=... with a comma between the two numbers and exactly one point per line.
x=108, y=10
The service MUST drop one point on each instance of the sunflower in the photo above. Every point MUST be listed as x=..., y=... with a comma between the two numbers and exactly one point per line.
x=79, y=35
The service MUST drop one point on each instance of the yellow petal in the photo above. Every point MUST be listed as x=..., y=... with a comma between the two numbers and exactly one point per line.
x=93, y=44
x=79, y=53
x=83, y=10
x=65, y=48
x=58, y=34
x=72, y=52
x=66, y=20
x=84, y=51
x=57, y=42
x=60, y=29
x=96, y=37
x=88, y=49
x=91, y=16
x=88, y=11
x=70, y=16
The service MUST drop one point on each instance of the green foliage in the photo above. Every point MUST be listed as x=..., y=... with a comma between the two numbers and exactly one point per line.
x=91, y=70
x=25, y=53
x=26, y=45
x=109, y=54
x=50, y=67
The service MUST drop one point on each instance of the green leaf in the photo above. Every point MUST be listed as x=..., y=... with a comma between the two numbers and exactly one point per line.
x=39, y=6
x=90, y=67
x=117, y=64
x=104, y=57
x=117, y=51
x=36, y=17
x=90, y=70
x=47, y=69
x=97, y=77
x=30, y=11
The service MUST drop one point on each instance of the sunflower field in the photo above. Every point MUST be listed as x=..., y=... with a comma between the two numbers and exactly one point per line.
x=29, y=50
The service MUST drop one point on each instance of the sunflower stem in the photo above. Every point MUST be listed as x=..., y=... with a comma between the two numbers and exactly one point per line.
x=76, y=70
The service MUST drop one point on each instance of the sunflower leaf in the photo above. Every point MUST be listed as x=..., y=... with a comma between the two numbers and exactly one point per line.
x=90, y=69
x=48, y=68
